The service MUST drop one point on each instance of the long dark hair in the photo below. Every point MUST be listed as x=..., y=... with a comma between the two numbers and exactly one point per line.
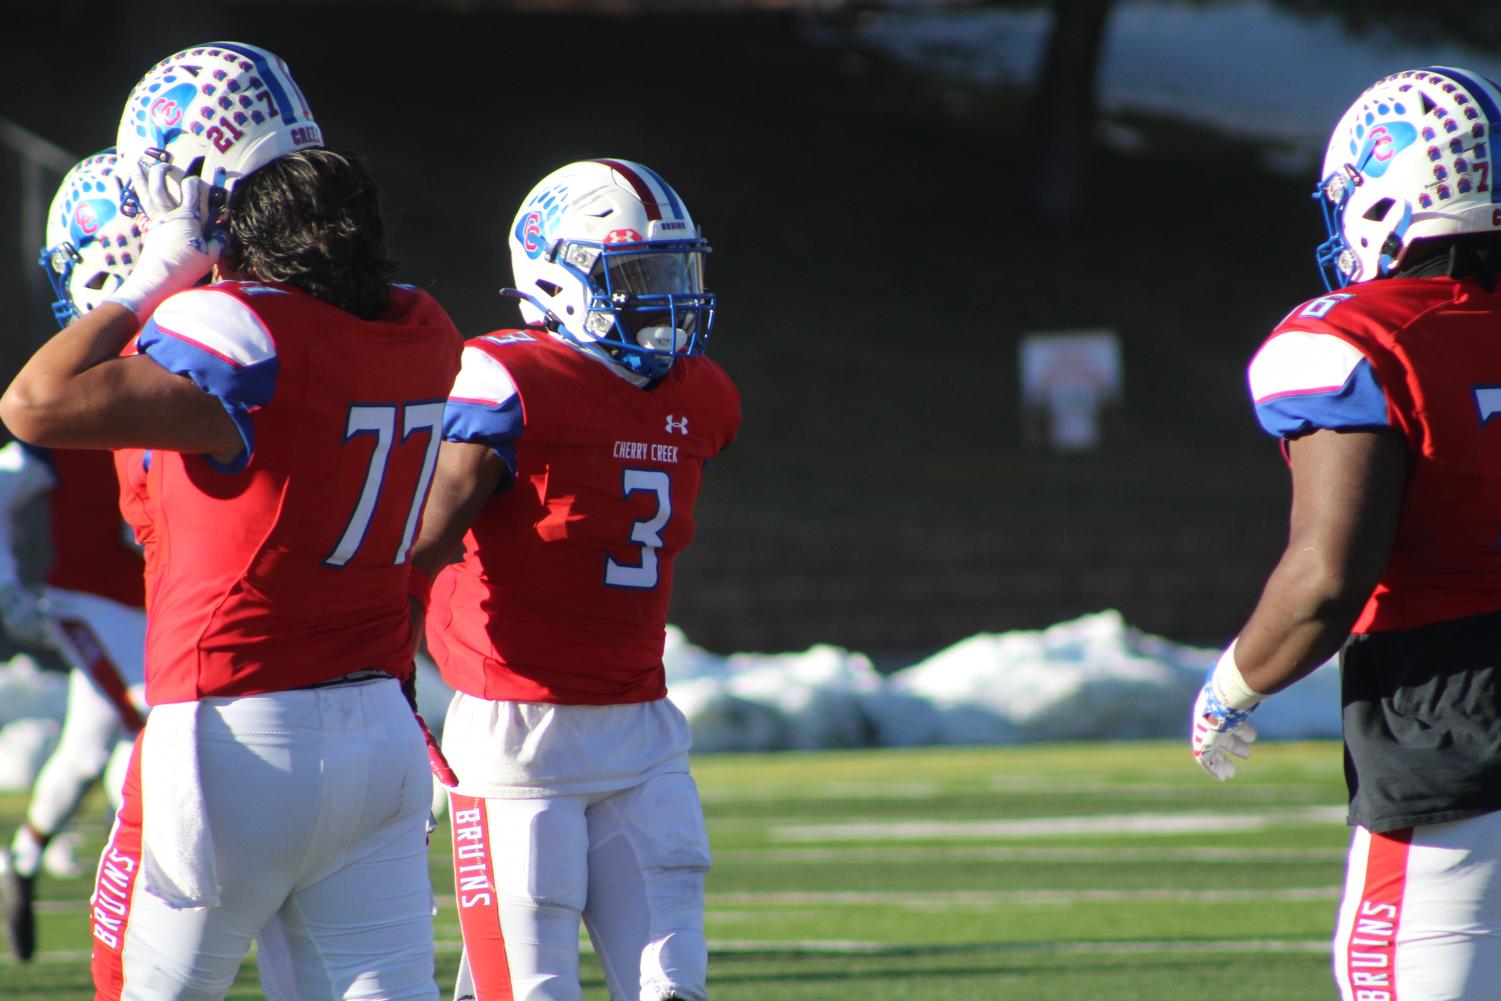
x=312, y=220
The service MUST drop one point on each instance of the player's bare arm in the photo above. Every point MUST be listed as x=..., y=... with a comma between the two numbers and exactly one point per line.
x=1347, y=498
x=466, y=477
x=76, y=392
x=1347, y=495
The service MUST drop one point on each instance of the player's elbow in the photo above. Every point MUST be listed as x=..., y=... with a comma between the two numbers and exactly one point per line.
x=31, y=413
x=1330, y=593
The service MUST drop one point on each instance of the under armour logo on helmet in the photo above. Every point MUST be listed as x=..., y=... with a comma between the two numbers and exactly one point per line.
x=678, y=425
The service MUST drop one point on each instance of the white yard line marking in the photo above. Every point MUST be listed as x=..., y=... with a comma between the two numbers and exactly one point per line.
x=985, y=853
x=1031, y=827
x=452, y=946
x=1063, y=785
x=835, y=947
x=953, y=897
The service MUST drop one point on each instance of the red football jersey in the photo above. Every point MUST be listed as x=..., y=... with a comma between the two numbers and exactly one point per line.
x=135, y=507
x=563, y=590
x=90, y=552
x=287, y=566
x=1427, y=363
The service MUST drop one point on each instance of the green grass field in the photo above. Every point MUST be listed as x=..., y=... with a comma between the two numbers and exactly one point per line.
x=1046, y=872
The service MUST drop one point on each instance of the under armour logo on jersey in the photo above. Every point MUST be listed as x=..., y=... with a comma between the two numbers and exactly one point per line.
x=680, y=425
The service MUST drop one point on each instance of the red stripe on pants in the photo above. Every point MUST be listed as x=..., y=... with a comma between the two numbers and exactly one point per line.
x=1371, y=949
x=478, y=899
x=92, y=657
x=109, y=910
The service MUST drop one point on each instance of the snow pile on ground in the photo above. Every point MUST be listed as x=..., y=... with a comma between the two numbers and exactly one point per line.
x=1093, y=678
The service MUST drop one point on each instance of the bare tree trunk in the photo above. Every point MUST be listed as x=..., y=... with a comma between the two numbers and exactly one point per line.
x=1063, y=115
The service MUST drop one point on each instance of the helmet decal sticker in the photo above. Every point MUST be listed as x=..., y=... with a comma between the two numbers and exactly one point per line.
x=533, y=227
x=1382, y=142
x=88, y=216
x=165, y=114
x=529, y=234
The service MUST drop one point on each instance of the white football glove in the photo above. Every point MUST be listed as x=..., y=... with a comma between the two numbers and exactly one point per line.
x=23, y=616
x=1218, y=731
x=177, y=249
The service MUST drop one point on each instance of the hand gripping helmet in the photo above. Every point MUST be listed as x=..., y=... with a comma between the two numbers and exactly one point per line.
x=604, y=252
x=91, y=245
x=1411, y=159
x=219, y=111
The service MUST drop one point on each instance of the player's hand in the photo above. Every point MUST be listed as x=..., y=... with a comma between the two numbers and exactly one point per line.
x=1218, y=734
x=176, y=250
x=23, y=616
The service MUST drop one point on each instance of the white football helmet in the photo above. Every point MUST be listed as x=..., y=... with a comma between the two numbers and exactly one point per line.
x=604, y=252
x=1410, y=159
x=91, y=244
x=217, y=110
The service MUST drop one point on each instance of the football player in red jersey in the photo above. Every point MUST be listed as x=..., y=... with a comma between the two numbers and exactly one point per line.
x=293, y=409
x=91, y=605
x=572, y=456
x=1383, y=392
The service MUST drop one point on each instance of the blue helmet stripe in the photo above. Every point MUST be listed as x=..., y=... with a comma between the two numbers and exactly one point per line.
x=284, y=103
x=672, y=196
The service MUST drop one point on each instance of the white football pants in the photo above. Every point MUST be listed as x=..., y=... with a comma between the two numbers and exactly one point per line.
x=1421, y=914
x=316, y=803
x=629, y=863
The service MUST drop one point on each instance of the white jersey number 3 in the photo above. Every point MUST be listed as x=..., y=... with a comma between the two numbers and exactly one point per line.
x=647, y=533
x=379, y=419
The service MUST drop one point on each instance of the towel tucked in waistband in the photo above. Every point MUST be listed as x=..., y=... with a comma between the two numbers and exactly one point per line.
x=176, y=847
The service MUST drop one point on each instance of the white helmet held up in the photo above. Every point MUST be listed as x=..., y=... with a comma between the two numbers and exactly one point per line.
x=91, y=245
x=605, y=252
x=1410, y=159
x=218, y=110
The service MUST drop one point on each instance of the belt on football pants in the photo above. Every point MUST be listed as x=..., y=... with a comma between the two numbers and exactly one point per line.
x=352, y=678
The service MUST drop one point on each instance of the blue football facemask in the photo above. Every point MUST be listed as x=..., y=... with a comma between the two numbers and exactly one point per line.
x=58, y=263
x=646, y=305
x=1329, y=253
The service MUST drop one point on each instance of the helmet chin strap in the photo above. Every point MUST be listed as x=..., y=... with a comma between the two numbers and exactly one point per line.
x=549, y=318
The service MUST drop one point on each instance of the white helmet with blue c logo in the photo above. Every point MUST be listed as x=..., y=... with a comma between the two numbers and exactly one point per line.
x=91, y=245
x=605, y=252
x=219, y=110
x=1411, y=159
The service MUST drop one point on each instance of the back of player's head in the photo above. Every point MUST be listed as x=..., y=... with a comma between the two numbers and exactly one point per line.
x=91, y=246
x=220, y=111
x=1409, y=162
x=312, y=220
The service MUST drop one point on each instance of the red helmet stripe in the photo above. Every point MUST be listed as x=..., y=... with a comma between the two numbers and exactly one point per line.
x=639, y=185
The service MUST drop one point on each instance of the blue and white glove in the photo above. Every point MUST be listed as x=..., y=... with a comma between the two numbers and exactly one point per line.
x=176, y=250
x=1218, y=731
